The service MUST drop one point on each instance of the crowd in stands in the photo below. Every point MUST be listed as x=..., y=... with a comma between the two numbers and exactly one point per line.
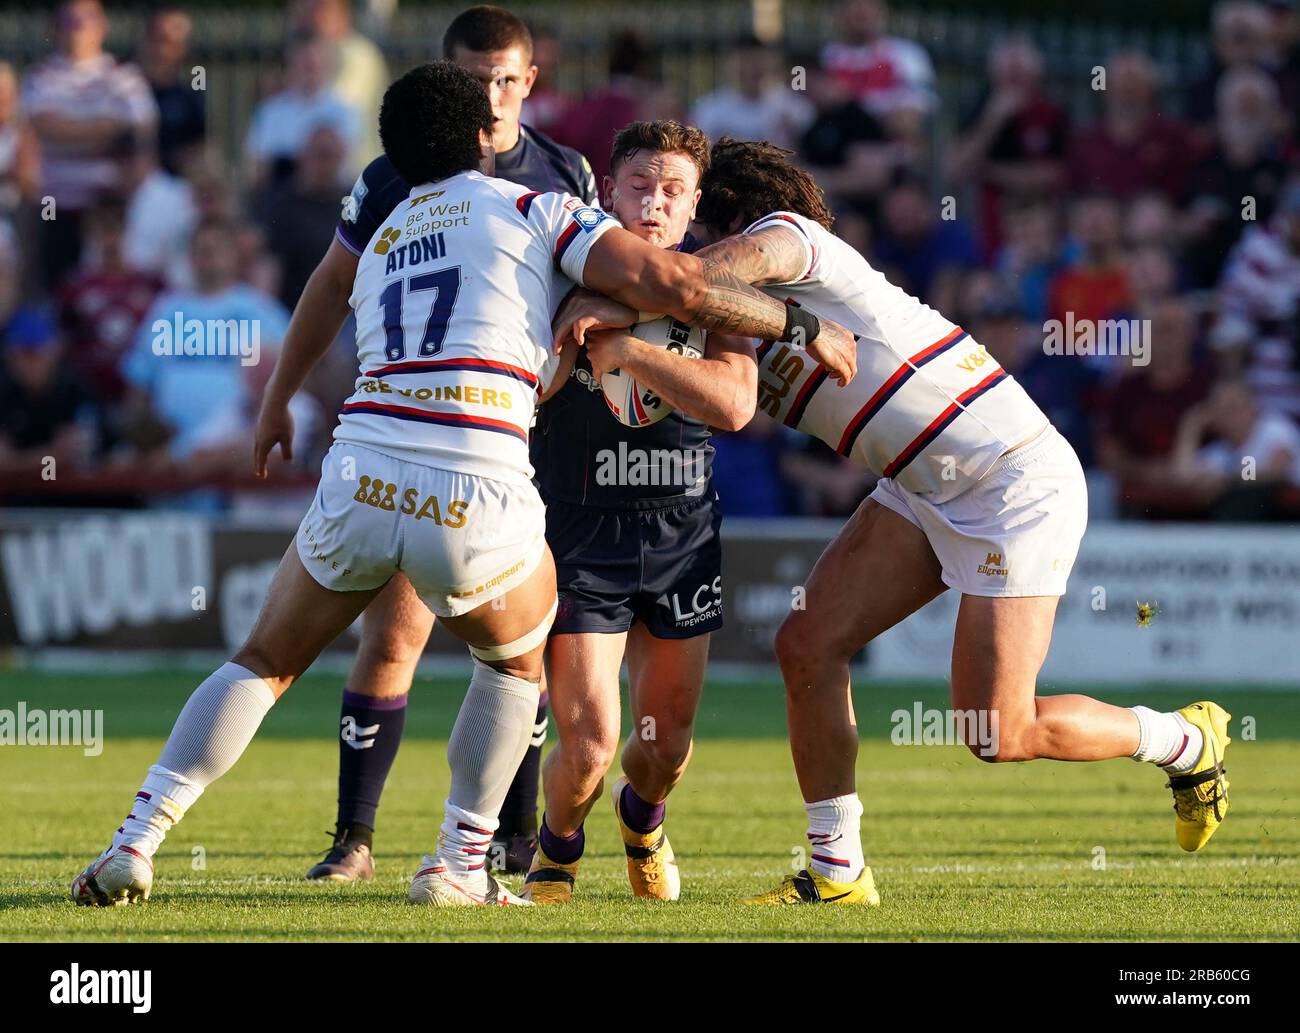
x=1171, y=213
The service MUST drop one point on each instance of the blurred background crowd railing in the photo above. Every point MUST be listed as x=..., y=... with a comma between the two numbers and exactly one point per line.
x=1011, y=163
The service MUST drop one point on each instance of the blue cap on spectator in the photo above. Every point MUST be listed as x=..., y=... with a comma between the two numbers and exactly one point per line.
x=30, y=327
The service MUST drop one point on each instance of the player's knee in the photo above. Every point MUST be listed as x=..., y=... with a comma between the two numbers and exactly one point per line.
x=801, y=649
x=588, y=753
x=787, y=645
x=667, y=749
x=1004, y=746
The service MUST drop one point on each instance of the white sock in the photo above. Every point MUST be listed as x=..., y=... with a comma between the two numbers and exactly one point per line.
x=463, y=842
x=487, y=745
x=215, y=726
x=836, y=837
x=489, y=739
x=1169, y=740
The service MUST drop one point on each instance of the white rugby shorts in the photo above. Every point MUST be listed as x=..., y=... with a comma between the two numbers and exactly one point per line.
x=1015, y=531
x=461, y=539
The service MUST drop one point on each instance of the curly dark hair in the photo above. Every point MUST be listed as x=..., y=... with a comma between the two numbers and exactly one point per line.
x=748, y=179
x=430, y=122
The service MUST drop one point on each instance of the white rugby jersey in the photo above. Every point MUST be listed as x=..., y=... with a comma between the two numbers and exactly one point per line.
x=929, y=407
x=454, y=296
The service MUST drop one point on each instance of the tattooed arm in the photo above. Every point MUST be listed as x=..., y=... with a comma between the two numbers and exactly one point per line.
x=651, y=279
x=773, y=254
x=778, y=254
x=707, y=294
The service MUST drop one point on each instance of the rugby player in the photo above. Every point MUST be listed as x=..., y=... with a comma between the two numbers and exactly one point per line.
x=429, y=473
x=496, y=47
x=638, y=557
x=977, y=493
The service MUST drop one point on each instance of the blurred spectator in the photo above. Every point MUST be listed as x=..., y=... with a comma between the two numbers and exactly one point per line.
x=1133, y=147
x=924, y=254
x=172, y=397
x=160, y=213
x=546, y=105
x=258, y=267
x=1063, y=386
x=20, y=155
x=44, y=410
x=747, y=470
x=890, y=77
x=11, y=274
x=634, y=92
x=1239, y=38
x=995, y=322
x=1240, y=178
x=844, y=146
x=1150, y=219
x=182, y=109
x=222, y=444
x=1033, y=253
x=1152, y=275
x=214, y=193
x=1143, y=413
x=80, y=101
x=827, y=484
x=761, y=105
x=1013, y=140
x=1096, y=286
x=360, y=74
x=1284, y=33
x=282, y=123
x=299, y=217
x=1252, y=454
x=101, y=306
x=1258, y=331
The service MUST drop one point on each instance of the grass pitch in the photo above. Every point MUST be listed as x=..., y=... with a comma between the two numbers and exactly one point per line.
x=961, y=850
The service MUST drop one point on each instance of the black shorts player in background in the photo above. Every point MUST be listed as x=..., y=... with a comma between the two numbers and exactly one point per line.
x=495, y=46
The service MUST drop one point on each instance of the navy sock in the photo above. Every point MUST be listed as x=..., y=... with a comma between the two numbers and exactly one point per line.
x=639, y=815
x=518, y=815
x=370, y=732
x=561, y=849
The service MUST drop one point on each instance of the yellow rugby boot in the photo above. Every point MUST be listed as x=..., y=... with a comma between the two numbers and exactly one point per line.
x=810, y=888
x=651, y=864
x=1201, y=795
x=549, y=882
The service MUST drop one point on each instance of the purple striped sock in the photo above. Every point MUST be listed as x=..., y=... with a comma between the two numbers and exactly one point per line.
x=639, y=815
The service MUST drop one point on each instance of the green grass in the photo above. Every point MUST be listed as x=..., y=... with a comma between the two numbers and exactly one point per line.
x=961, y=850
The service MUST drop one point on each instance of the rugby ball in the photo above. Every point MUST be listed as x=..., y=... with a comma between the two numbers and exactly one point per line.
x=633, y=405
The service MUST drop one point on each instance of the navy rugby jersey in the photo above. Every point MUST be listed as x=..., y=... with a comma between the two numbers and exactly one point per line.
x=536, y=162
x=583, y=455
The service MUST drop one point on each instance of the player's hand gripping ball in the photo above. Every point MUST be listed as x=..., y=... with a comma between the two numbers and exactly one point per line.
x=637, y=406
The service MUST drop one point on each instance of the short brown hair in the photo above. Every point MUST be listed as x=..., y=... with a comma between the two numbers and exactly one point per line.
x=664, y=136
x=748, y=180
x=486, y=28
